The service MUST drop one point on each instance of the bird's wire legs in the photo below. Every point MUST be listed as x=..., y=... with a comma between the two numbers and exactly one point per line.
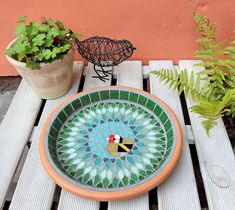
x=105, y=74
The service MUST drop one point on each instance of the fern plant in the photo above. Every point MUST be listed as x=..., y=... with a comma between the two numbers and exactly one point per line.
x=213, y=88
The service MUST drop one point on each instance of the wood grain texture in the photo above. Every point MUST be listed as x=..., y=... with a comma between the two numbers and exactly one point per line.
x=179, y=191
x=20, y=166
x=35, y=188
x=215, y=154
x=15, y=129
x=91, y=82
x=129, y=73
x=68, y=200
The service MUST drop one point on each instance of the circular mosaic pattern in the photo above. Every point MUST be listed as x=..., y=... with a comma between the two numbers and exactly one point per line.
x=110, y=139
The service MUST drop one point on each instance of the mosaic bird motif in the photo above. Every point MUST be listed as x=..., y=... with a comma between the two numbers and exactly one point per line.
x=118, y=145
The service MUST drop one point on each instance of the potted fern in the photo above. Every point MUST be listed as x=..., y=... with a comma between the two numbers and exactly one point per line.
x=214, y=88
x=42, y=54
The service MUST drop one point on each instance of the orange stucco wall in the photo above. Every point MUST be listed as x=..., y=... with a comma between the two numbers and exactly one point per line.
x=160, y=29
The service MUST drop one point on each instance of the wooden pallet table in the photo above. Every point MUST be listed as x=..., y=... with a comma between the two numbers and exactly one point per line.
x=24, y=185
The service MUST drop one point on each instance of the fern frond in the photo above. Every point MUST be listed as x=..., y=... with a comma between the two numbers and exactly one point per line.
x=183, y=82
x=212, y=110
x=209, y=51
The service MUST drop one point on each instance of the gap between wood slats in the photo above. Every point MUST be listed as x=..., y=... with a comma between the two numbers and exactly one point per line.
x=145, y=85
x=14, y=133
x=153, y=201
x=215, y=156
x=39, y=193
x=56, y=198
x=68, y=200
x=16, y=176
x=193, y=152
x=198, y=175
x=40, y=113
x=179, y=190
x=129, y=73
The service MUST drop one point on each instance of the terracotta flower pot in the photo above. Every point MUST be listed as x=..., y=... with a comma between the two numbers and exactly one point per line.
x=52, y=80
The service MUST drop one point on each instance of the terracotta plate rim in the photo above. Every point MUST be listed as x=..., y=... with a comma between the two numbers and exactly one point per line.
x=121, y=194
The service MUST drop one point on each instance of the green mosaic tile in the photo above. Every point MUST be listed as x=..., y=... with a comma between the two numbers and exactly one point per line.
x=133, y=97
x=150, y=105
x=52, y=151
x=62, y=117
x=56, y=124
x=142, y=100
x=170, y=143
x=79, y=172
x=134, y=177
x=51, y=141
x=114, y=94
x=85, y=100
x=167, y=125
x=90, y=183
x=104, y=94
x=76, y=104
x=95, y=97
x=163, y=117
x=82, y=142
x=157, y=110
x=124, y=95
x=68, y=109
x=170, y=134
x=53, y=133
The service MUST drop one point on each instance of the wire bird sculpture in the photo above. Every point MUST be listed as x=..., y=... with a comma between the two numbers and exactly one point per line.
x=104, y=52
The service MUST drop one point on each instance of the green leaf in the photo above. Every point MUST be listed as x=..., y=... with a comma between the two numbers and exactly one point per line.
x=10, y=51
x=39, y=40
x=32, y=64
x=53, y=32
x=76, y=36
x=191, y=83
x=34, y=49
x=65, y=47
x=35, y=25
x=60, y=25
x=22, y=19
x=54, y=52
x=21, y=56
x=36, y=42
x=44, y=28
x=197, y=83
x=181, y=88
x=20, y=29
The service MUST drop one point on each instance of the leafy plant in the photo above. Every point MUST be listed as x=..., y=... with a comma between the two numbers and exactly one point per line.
x=213, y=88
x=40, y=42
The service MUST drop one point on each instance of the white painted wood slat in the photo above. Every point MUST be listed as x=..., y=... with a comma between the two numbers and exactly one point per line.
x=15, y=131
x=35, y=188
x=215, y=154
x=68, y=200
x=129, y=73
x=179, y=191
x=15, y=179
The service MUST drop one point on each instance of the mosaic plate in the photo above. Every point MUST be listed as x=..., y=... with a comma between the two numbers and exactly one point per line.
x=110, y=143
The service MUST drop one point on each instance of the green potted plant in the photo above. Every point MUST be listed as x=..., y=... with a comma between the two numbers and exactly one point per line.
x=42, y=53
x=216, y=96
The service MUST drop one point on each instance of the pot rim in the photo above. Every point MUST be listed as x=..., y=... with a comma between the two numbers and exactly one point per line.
x=22, y=64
